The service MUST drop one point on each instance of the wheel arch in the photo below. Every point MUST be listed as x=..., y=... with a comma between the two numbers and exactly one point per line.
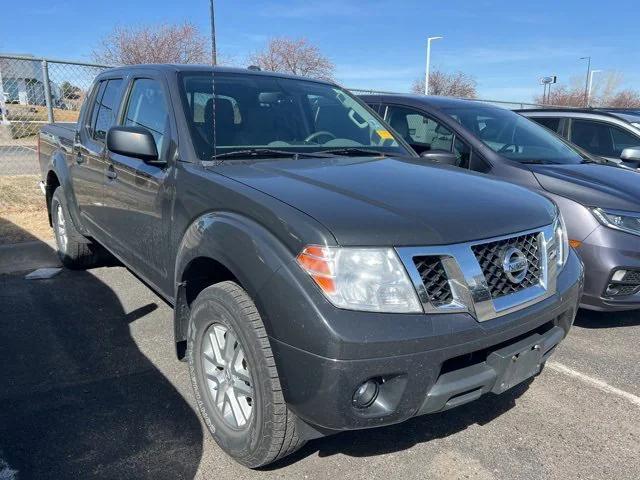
x=221, y=246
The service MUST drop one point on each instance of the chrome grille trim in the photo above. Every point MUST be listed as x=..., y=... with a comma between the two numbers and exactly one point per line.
x=470, y=290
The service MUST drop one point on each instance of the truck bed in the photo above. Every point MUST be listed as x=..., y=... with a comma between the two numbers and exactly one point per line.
x=55, y=136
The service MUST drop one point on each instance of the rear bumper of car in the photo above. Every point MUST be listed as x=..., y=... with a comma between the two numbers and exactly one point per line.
x=604, y=252
x=451, y=360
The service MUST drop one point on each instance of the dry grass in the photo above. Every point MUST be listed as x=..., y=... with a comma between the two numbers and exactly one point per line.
x=23, y=213
x=39, y=113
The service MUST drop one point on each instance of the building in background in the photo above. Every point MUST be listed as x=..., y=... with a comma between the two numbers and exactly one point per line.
x=21, y=82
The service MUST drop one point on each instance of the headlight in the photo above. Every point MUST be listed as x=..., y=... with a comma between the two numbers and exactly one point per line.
x=561, y=240
x=367, y=279
x=625, y=221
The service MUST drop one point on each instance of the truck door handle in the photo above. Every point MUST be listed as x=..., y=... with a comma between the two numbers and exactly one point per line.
x=111, y=173
x=79, y=158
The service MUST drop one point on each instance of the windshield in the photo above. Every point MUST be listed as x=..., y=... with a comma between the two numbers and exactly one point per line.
x=254, y=112
x=513, y=136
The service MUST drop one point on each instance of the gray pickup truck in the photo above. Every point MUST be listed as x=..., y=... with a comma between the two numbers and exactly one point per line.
x=323, y=279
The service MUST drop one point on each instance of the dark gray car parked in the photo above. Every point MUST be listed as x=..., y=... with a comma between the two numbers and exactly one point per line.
x=322, y=278
x=600, y=202
x=610, y=133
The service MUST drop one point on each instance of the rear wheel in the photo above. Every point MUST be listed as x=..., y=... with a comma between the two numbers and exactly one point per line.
x=235, y=380
x=75, y=250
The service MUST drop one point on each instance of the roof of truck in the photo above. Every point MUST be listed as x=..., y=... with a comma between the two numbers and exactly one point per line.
x=209, y=68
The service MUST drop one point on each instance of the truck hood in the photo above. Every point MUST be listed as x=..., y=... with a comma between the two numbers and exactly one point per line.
x=396, y=202
x=592, y=184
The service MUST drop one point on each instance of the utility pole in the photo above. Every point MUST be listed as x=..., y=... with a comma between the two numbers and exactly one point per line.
x=426, y=75
x=591, y=86
x=214, y=54
x=586, y=85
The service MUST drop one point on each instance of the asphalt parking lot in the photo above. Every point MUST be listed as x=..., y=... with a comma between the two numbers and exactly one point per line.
x=91, y=389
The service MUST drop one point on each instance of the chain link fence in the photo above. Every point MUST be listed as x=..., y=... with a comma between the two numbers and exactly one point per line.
x=33, y=92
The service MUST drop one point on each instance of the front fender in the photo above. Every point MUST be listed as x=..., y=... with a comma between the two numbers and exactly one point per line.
x=247, y=249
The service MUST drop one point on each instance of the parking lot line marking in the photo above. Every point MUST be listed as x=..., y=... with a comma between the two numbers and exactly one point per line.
x=597, y=383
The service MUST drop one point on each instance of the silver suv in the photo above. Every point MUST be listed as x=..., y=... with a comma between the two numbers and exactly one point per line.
x=610, y=133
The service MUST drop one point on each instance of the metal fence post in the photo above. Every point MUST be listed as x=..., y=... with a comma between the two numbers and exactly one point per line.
x=47, y=90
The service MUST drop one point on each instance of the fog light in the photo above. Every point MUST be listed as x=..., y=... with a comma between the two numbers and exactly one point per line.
x=619, y=275
x=366, y=394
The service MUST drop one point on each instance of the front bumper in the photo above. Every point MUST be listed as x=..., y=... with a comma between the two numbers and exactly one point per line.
x=424, y=363
x=603, y=252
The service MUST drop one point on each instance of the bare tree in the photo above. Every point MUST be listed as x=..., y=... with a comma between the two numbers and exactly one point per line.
x=296, y=56
x=605, y=92
x=563, y=96
x=448, y=84
x=625, y=99
x=166, y=43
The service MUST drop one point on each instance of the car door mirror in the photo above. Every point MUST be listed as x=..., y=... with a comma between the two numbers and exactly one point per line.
x=134, y=142
x=631, y=154
x=441, y=156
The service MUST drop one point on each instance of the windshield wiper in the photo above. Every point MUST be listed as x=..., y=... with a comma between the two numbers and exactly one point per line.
x=266, y=152
x=354, y=151
x=538, y=162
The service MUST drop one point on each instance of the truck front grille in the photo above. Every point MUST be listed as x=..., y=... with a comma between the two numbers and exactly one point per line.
x=490, y=257
x=434, y=278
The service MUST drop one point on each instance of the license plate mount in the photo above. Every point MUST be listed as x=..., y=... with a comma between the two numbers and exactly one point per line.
x=516, y=363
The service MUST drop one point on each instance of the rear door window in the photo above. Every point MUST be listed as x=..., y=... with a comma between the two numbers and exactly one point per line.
x=106, y=108
x=96, y=107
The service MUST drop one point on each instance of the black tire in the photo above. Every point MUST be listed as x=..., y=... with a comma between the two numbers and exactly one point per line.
x=270, y=432
x=78, y=252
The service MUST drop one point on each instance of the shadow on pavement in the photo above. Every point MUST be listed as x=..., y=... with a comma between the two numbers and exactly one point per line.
x=77, y=397
x=591, y=319
x=395, y=438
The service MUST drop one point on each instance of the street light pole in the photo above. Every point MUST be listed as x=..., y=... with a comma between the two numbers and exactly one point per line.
x=426, y=75
x=214, y=54
x=591, y=86
x=586, y=85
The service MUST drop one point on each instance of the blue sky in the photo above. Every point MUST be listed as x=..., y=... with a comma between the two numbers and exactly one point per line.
x=380, y=44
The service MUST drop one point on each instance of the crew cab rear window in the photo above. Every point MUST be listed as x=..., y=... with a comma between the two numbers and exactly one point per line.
x=105, y=108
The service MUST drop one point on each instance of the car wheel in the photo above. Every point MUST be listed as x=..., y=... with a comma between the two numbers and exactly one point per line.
x=75, y=250
x=235, y=380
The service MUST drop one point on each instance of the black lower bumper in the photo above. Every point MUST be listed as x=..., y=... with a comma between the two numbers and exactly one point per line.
x=502, y=370
x=459, y=361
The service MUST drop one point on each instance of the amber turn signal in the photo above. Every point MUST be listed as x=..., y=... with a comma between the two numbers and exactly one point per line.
x=317, y=262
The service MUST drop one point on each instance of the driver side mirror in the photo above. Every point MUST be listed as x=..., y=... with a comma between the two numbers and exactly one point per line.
x=631, y=154
x=134, y=142
x=440, y=156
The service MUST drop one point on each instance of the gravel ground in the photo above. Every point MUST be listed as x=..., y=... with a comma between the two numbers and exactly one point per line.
x=91, y=389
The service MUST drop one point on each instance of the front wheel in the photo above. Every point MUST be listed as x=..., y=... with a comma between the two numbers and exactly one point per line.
x=235, y=380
